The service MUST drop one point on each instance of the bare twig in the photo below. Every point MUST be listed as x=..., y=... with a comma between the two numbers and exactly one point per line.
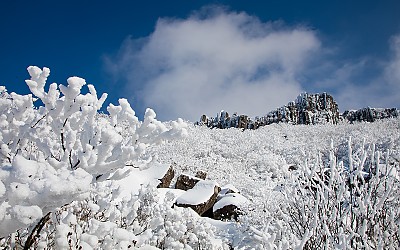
x=36, y=231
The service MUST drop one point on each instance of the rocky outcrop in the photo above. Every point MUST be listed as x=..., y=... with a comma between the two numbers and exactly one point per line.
x=370, y=114
x=205, y=197
x=306, y=109
x=166, y=180
x=186, y=182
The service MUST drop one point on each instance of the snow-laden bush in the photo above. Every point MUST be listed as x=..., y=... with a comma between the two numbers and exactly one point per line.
x=346, y=205
x=103, y=223
x=51, y=155
x=330, y=205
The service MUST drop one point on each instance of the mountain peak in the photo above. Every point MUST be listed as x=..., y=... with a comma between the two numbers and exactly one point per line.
x=319, y=108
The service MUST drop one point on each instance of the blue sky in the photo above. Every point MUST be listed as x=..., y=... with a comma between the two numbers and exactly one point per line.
x=186, y=58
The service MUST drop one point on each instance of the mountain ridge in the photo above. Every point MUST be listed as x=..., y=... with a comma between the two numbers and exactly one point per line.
x=307, y=109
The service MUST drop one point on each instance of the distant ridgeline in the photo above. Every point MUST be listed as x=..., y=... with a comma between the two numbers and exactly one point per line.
x=307, y=109
x=370, y=114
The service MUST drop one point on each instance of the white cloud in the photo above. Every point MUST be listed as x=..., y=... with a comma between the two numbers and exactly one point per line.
x=224, y=60
x=217, y=60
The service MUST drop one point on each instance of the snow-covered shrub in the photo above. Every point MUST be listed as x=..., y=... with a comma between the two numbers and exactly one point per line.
x=257, y=163
x=341, y=205
x=135, y=223
x=52, y=155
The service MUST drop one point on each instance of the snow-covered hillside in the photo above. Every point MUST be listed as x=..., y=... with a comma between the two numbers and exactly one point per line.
x=72, y=178
x=255, y=161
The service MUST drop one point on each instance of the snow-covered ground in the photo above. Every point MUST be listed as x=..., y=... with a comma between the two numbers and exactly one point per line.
x=256, y=161
x=71, y=178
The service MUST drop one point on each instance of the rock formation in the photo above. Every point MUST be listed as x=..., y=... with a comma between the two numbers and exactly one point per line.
x=370, y=114
x=229, y=206
x=186, y=182
x=165, y=181
x=205, y=197
x=306, y=109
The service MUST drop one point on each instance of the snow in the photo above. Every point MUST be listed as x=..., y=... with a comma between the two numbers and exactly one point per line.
x=135, y=178
x=228, y=188
x=235, y=199
x=199, y=194
x=26, y=214
x=172, y=194
x=94, y=176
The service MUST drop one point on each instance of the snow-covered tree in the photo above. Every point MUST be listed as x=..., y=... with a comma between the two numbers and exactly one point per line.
x=51, y=155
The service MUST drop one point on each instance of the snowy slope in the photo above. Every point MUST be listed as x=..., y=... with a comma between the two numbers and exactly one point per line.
x=255, y=161
x=73, y=179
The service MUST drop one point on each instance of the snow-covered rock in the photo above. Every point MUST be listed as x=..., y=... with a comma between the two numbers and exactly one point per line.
x=227, y=189
x=201, y=197
x=370, y=114
x=306, y=109
x=229, y=206
x=133, y=178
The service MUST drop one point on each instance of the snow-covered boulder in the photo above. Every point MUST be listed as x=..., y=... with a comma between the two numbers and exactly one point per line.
x=229, y=206
x=129, y=180
x=201, y=197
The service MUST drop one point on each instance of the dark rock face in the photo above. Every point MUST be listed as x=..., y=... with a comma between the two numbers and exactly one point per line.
x=167, y=178
x=370, y=114
x=227, y=213
x=201, y=175
x=307, y=109
x=186, y=182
